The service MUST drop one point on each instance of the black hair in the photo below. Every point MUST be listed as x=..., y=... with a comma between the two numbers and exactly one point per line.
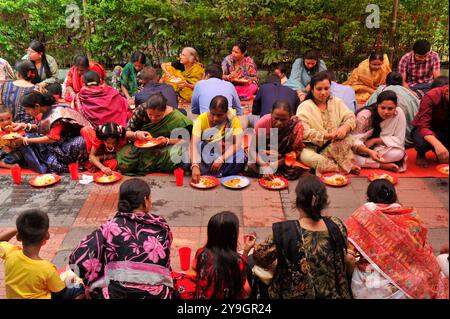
x=54, y=89
x=214, y=71
x=394, y=78
x=421, y=47
x=312, y=55
x=273, y=78
x=282, y=67
x=318, y=77
x=312, y=196
x=439, y=81
x=132, y=194
x=139, y=56
x=226, y=276
x=219, y=102
x=37, y=46
x=376, y=119
x=27, y=70
x=112, y=130
x=34, y=99
x=91, y=78
x=376, y=55
x=32, y=226
x=149, y=73
x=242, y=46
x=156, y=101
x=381, y=191
x=81, y=60
x=282, y=104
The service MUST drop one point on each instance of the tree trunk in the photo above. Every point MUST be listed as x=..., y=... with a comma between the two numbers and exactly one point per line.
x=87, y=25
x=393, y=31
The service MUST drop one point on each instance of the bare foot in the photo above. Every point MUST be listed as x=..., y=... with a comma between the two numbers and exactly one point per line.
x=390, y=167
x=355, y=170
x=421, y=161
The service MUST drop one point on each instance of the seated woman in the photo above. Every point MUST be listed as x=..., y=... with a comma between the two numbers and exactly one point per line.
x=406, y=100
x=184, y=81
x=102, y=145
x=6, y=71
x=290, y=133
x=221, y=272
x=309, y=253
x=128, y=78
x=379, y=137
x=46, y=66
x=216, y=142
x=327, y=123
x=302, y=71
x=240, y=69
x=100, y=103
x=59, y=129
x=11, y=92
x=128, y=257
x=74, y=80
x=155, y=119
x=390, y=245
x=369, y=75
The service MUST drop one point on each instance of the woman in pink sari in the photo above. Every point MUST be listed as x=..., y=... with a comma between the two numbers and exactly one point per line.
x=100, y=103
x=394, y=259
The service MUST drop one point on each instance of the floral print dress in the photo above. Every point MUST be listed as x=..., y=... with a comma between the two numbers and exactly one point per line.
x=127, y=257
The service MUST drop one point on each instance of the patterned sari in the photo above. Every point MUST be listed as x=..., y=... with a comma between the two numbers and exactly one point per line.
x=137, y=161
x=395, y=251
x=191, y=76
x=128, y=257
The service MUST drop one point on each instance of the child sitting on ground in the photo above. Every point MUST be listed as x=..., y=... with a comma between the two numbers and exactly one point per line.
x=28, y=276
x=8, y=157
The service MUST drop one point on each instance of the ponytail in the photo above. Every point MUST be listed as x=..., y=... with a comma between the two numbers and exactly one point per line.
x=312, y=196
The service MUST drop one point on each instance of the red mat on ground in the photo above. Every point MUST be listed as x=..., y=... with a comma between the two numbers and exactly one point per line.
x=412, y=169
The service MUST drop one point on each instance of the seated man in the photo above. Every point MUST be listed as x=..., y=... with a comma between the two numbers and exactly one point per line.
x=211, y=86
x=150, y=79
x=419, y=67
x=344, y=92
x=431, y=126
x=269, y=93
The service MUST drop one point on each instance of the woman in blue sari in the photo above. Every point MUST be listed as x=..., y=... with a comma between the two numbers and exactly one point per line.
x=216, y=142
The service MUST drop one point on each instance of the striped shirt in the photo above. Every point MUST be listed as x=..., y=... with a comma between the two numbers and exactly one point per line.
x=418, y=73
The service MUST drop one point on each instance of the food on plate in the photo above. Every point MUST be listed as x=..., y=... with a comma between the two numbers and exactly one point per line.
x=274, y=183
x=207, y=182
x=336, y=179
x=233, y=182
x=444, y=169
x=384, y=176
x=11, y=136
x=107, y=179
x=45, y=179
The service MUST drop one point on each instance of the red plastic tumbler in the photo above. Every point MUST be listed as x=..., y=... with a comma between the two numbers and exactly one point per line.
x=179, y=176
x=185, y=257
x=73, y=169
x=16, y=173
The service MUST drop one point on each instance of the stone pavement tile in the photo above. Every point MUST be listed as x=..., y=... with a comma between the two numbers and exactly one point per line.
x=434, y=217
x=192, y=237
x=439, y=187
x=261, y=207
x=419, y=198
x=437, y=237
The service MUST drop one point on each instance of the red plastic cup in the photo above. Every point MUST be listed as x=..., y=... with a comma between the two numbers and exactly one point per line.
x=179, y=176
x=185, y=257
x=73, y=169
x=16, y=173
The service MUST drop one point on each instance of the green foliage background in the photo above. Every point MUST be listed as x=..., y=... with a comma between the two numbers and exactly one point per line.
x=276, y=30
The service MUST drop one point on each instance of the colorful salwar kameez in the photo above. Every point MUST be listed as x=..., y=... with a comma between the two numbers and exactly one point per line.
x=246, y=70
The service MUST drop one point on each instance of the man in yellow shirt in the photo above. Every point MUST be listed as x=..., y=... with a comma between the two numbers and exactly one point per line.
x=27, y=276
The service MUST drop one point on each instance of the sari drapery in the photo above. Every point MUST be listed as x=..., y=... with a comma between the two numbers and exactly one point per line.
x=365, y=81
x=75, y=80
x=394, y=244
x=137, y=161
x=102, y=104
x=191, y=76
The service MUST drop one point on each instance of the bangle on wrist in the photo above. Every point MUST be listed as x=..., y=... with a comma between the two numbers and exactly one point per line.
x=167, y=141
x=135, y=135
x=194, y=165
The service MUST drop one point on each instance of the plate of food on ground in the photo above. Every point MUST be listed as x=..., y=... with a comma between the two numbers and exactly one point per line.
x=102, y=178
x=148, y=143
x=206, y=182
x=9, y=136
x=335, y=179
x=443, y=169
x=276, y=183
x=235, y=182
x=175, y=80
x=389, y=177
x=44, y=180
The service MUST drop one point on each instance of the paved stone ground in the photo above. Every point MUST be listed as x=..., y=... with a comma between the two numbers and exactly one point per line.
x=75, y=210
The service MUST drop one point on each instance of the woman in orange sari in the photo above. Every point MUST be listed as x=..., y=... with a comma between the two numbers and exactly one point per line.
x=394, y=259
x=369, y=75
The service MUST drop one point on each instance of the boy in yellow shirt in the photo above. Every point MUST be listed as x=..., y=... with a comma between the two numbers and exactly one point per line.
x=27, y=276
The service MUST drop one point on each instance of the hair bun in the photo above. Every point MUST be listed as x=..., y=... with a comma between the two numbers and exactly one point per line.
x=124, y=206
